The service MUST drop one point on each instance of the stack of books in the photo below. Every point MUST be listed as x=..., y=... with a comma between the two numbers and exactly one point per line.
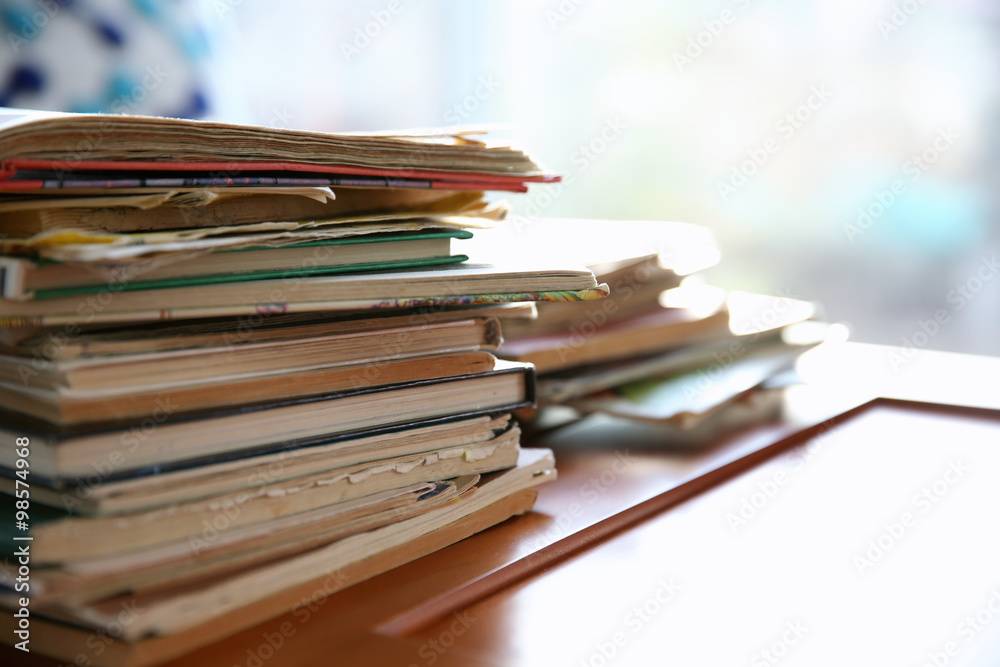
x=664, y=348
x=242, y=365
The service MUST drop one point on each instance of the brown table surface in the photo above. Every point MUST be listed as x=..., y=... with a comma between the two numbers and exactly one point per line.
x=753, y=551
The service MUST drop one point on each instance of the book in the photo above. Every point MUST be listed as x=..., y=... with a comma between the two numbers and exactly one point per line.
x=185, y=607
x=23, y=278
x=684, y=317
x=188, y=208
x=457, y=284
x=636, y=285
x=66, y=641
x=199, y=557
x=596, y=429
x=657, y=330
x=688, y=399
x=125, y=360
x=95, y=340
x=164, y=439
x=104, y=492
x=36, y=145
x=639, y=264
x=71, y=406
x=59, y=538
x=156, y=197
x=247, y=359
x=563, y=386
x=139, y=251
x=792, y=331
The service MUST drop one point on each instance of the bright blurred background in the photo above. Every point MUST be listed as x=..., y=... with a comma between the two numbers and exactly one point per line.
x=842, y=151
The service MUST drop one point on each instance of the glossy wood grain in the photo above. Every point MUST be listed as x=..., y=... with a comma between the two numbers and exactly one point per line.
x=875, y=543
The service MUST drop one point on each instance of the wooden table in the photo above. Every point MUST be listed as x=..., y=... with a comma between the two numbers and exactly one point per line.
x=872, y=542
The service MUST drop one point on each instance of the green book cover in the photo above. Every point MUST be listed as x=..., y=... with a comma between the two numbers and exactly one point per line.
x=210, y=279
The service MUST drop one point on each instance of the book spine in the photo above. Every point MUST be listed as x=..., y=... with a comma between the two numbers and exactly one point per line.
x=81, y=313
x=12, y=278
